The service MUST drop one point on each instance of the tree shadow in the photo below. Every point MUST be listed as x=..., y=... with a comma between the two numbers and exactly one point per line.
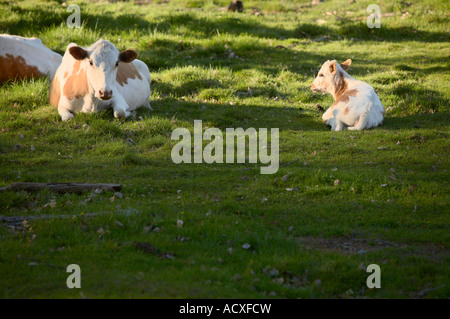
x=415, y=99
x=40, y=17
x=33, y=19
x=225, y=115
x=185, y=88
x=286, y=118
x=360, y=31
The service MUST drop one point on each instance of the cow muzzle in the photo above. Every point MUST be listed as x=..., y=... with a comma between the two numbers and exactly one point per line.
x=313, y=88
x=105, y=95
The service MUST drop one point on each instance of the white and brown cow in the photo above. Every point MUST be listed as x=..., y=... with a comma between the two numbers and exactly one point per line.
x=356, y=105
x=24, y=58
x=99, y=77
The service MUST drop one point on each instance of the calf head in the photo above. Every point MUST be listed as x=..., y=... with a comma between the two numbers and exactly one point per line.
x=331, y=77
x=102, y=60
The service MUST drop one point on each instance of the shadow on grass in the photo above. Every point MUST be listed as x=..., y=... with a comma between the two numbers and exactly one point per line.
x=162, y=53
x=186, y=88
x=359, y=30
x=237, y=26
x=445, y=68
x=39, y=17
x=241, y=115
x=270, y=60
x=285, y=118
x=415, y=99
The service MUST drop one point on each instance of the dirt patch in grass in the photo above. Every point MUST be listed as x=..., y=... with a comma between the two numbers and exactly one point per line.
x=350, y=246
x=345, y=245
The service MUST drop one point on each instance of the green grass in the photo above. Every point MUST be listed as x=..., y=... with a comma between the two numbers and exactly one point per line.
x=393, y=179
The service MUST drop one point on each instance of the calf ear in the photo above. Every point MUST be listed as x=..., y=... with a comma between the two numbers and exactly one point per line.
x=78, y=53
x=332, y=67
x=127, y=56
x=346, y=65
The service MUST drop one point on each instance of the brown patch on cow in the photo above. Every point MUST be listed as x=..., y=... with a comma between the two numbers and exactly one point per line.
x=76, y=85
x=66, y=74
x=126, y=71
x=16, y=68
x=346, y=95
x=341, y=86
x=347, y=109
x=55, y=92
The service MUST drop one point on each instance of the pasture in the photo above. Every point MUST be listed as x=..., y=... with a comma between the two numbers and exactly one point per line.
x=339, y=202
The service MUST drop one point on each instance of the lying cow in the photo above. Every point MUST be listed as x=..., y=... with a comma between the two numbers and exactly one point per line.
x=24, y=58
x=356, y=105
x=99, y=77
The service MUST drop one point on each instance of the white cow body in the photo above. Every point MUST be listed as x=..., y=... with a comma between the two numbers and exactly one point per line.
x=22, y=58
x=99, y=77
x=356, y=105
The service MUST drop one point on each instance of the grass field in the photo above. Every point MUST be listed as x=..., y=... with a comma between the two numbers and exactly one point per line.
x=308, y=237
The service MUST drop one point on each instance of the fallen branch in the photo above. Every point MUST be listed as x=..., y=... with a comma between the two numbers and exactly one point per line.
x=18, y=220
x=287, y=164
x=60, y=187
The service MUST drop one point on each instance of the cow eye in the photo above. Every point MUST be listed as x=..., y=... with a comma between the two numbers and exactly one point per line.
x=117, y=64
x=321, y=74
x=91, y=63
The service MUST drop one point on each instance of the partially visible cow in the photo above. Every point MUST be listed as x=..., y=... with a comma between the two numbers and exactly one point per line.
x=99, y=77
x=24, y=58
x=356, y=105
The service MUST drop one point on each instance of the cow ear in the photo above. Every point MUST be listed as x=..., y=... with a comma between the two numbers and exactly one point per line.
x=127, y=56
x=78, y=53
x=333, y=67
x=346, y=65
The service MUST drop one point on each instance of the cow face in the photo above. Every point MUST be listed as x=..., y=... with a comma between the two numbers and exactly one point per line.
x=102, y=60
x=329, y=75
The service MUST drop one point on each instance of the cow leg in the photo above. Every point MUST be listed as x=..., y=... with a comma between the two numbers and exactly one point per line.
x=335, y=124
x=339, y=120
x=328, y=114
x=64, y=113
x=331, y=122
x=88, y=105
x=339, y=126
x=120, y=107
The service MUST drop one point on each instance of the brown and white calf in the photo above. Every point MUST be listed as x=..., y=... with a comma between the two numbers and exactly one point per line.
x=99, y=77
x=356, y=105
x=24, y=58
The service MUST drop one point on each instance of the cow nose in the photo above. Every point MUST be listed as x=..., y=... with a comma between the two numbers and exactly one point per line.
x=105, y=95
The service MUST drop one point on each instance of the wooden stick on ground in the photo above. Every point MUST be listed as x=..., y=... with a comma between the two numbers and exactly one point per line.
x=60, y=187
x=18, y=220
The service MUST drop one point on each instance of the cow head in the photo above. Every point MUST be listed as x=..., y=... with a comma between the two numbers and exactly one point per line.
x=102, y=60
x=330, y=76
